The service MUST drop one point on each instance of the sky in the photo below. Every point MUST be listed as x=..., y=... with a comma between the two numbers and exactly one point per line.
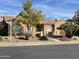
x=50, y=8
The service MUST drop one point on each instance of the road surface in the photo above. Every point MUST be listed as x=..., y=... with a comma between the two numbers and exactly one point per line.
x=41, y=52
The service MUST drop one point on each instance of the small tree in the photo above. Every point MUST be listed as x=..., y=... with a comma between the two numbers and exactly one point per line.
x=30, y=16
x=70, y=28
x=76, y=17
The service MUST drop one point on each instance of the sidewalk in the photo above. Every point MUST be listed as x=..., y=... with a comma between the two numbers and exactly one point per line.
x=28, y=43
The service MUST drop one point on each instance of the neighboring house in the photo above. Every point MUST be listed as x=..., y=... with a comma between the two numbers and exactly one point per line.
x=6, y=25
x=47, y=27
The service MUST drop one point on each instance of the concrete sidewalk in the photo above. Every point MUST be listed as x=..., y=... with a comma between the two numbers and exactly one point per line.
x=28, y=43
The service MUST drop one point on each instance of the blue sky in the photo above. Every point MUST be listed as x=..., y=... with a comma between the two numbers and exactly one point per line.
x=51, y=8
x=10, y=7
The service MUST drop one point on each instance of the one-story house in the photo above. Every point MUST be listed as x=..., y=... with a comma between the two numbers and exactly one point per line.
x=48, y=27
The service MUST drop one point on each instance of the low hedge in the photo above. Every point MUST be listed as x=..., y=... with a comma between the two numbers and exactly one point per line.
x=43, y=38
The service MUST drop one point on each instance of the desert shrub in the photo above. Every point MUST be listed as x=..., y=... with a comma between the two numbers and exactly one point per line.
x=28, y=34
x=64, y=39
x=38, y=35
x=70, y=28
x=43, y=38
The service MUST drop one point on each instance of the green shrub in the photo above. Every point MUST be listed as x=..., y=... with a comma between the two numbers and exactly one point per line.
x=38, y=35
x=43, y=38
x=28, y=34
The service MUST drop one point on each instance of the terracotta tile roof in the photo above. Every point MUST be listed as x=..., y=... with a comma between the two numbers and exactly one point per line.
x=47, y=22
x=7, y=18
x=51, y=21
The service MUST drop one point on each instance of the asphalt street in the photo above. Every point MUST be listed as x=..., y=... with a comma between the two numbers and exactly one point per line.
x=41, y=52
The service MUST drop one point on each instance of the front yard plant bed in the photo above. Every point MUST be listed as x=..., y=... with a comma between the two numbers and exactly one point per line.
x=43, y=38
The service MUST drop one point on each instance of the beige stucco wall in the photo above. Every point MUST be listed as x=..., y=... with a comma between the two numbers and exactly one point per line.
x=57, y=31
x=47, y=29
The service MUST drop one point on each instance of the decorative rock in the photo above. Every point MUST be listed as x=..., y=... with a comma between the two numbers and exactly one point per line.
x=65, y=39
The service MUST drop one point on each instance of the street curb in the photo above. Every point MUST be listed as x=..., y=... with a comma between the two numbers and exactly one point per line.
x=12, y=44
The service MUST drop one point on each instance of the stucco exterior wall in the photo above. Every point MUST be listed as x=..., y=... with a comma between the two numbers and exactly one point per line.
x=48, y=28
x=57, y=31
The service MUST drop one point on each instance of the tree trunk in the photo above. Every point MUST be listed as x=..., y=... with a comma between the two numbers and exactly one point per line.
x=33, y=31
